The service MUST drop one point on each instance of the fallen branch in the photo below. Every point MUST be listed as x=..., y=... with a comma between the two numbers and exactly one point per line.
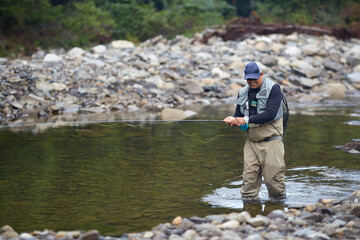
x=240, y=28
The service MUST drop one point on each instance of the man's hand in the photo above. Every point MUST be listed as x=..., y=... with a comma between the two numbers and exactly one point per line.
x=238, y=121
x=232, y=121
x=228, y=120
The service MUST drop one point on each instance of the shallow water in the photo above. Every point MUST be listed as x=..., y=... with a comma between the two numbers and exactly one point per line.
x=121, y=178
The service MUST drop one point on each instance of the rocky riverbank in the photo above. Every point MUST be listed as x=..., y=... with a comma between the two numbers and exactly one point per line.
x=327, y=219
x=177, y=73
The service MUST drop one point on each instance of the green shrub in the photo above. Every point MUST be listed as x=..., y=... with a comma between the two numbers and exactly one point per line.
x=88, y=24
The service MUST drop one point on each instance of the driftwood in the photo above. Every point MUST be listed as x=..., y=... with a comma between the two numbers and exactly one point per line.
x=240, y=28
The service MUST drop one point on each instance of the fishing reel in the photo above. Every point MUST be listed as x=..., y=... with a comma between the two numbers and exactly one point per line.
x=244, y=127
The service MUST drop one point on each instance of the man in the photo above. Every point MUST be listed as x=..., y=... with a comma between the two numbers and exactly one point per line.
x=259, y=105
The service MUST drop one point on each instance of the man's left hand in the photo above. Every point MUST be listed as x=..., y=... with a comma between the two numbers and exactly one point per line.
x=238, y=121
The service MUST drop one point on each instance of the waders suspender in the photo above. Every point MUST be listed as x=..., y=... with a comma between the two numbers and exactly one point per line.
x=247, y=108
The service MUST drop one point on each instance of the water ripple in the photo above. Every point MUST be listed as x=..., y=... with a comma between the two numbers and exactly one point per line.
x=304, y=185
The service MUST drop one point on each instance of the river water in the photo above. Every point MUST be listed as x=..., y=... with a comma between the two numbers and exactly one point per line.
x=120, y=178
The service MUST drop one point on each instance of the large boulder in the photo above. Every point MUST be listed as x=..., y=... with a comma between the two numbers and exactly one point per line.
x=170, y=114
x=122, y=44
x=51, y=59
x=192, y=87
x=332, y=90
x=75, y=53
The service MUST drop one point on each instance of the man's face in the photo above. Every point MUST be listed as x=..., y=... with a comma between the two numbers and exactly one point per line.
x=255, y=83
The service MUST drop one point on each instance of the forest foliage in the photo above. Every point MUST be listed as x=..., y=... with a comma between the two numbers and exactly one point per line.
x=27, y=25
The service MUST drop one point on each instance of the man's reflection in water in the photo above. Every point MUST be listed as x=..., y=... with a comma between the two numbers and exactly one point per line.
x=255, y=207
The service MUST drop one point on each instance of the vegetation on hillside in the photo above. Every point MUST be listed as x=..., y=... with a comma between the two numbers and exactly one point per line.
x=30, y=24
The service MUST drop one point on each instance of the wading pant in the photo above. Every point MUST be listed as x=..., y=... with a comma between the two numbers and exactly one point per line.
x=264, y=159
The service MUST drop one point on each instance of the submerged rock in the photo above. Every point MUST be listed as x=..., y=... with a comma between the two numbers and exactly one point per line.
x=351, y=147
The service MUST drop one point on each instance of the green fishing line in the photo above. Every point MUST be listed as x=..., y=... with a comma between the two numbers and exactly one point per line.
x=180, y=128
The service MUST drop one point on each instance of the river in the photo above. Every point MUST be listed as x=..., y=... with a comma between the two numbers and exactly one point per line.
x=120, y=178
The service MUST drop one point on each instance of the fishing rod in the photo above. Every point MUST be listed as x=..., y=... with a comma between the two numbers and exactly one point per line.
x=107, y=121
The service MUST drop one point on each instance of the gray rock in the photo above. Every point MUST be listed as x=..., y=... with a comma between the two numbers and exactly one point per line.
x=230, y=224
x=82, y=74
x=203, y=56
x=301, y=97
x=76, y=52
x=217, y=72
x=312, y=216
x=185, y=224
x=120, y=44
x=175, y=237
x=230, y=235
x=91, y=235
x=71, y=108
x=308, y=233
x=292, y=51
x=356, y=210
x=276, y=214
x=208, y=230
x=312, y=72
x=261, y=46
x=258, y=221
x=273, y=235
x=132, y=108
x=198, y=220
x=215, y=218
x=99, y=49
x=330, y=229
x=269, y=60
x=63, y=235
x=16, y=104
x=354, y=77
x=242, y=217
x=310, y=49
x=171, y=75
x=38, y=55
x=160, y=236
x=230, y=100
x=333, y=66
x=44, y=86
x=298, y=221
x=352, y=61
x=255, y=236
x=51, y=58
x=190, y=234
x=82, y=91
x=309, y=83
x=192, y=87
x=357, y=68
x=95, y=62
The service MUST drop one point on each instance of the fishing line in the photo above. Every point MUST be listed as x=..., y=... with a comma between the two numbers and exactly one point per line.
x=127, y=122
x=200, y=139
x=180, y=128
